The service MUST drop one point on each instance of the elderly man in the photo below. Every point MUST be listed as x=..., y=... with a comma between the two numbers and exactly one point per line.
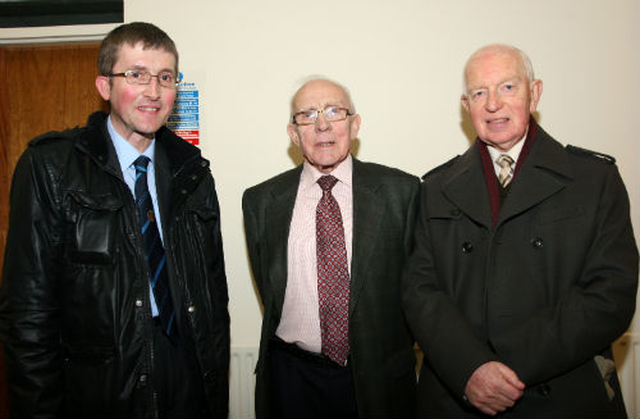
x=328, y=241
x=525, y=267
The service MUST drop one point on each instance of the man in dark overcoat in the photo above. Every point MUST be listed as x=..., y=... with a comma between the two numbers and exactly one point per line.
x=525, y=266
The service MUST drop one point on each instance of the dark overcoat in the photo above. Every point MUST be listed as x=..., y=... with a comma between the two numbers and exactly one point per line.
x=546, y=291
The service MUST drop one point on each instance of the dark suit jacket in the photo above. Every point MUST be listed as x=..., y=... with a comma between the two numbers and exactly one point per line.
x=545, y=291
x=384, y=210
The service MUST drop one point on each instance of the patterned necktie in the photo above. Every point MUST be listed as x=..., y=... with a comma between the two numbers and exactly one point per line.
x=506, y=169
x=154, y=250
x=333, y=275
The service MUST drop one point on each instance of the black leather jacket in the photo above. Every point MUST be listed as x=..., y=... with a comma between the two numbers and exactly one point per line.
x=75, y=315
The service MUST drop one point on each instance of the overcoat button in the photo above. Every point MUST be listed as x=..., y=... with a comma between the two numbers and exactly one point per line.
x=191, y=309
x=455, y=212
x=138, y=303
x=537, y=242
x=467, y=247
x=544, y=389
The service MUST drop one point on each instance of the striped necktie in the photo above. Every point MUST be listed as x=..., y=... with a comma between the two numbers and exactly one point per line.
x=154, y=250
x=506, y=169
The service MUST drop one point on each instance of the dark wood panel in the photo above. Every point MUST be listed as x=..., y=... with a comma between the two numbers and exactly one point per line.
x=42, y=88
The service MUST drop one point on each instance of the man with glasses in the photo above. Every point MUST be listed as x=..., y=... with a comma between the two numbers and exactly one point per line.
x=114, y=294
x=327, y=242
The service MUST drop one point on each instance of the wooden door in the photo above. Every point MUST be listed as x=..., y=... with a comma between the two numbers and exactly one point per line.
x=42, y=88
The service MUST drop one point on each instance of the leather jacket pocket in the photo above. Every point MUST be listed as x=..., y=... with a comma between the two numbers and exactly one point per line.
x=92, y=226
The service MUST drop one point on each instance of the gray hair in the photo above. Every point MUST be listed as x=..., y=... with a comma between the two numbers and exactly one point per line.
x=503, y=48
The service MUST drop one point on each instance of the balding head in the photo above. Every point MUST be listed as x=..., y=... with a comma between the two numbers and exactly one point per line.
x=321, y=84
x=524, y=62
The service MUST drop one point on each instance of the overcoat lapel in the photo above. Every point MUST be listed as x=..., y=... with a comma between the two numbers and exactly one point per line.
x=538, y=179
x=278, y=218
x=368, y=211
x=466, y=188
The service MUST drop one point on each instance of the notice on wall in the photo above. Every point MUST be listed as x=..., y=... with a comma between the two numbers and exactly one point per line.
x=184, y=120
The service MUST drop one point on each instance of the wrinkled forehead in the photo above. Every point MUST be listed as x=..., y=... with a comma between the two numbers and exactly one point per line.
x=493, y=66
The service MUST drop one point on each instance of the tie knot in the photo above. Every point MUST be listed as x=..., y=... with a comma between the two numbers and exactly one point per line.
x=504, y=161
x=327, y=182
x=141, y=163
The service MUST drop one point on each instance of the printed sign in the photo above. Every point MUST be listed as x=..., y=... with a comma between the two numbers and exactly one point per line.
x=184, y=119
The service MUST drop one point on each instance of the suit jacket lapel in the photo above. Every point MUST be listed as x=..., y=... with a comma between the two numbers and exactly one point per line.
x=368, y=210
x=538, y=178
x=278, y=218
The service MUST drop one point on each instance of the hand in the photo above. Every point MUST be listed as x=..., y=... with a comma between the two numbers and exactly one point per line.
x=493, y=387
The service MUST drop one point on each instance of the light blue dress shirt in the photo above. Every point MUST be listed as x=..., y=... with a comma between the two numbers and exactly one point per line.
x=127, y=154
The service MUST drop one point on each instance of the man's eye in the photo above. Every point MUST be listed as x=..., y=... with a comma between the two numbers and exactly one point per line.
x=135, y=74
x=509, y=88
x=331, y=111
x=311, y=113
x=168, y=77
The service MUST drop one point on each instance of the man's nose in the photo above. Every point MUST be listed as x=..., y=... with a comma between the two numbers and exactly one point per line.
x=494, y=101
x=153, y=88
x=321, y=122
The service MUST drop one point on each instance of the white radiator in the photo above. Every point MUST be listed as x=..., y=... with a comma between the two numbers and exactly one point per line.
x=243, y=362
x=242, y=382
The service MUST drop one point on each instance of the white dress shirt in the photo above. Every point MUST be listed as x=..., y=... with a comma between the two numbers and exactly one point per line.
x=300, y=321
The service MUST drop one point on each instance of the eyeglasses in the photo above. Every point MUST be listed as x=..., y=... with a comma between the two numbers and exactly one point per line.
x=331, y=114
x=165, y=78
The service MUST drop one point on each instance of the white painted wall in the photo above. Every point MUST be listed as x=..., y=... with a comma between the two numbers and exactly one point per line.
x=402, y=61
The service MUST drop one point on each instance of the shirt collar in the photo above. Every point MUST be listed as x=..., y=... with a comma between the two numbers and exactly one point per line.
x=514, y=152
x=126, y=152
x=343, y=172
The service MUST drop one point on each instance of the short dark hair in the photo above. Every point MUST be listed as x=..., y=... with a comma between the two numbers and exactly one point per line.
x=133, y=33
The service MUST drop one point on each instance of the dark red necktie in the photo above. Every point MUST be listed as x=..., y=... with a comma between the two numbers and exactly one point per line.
x=333, y=275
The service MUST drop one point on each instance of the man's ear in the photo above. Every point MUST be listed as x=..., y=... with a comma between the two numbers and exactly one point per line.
x=464, y=100
x=536, y=93
x=103, y=84
x=355, y=127
x=293, y=134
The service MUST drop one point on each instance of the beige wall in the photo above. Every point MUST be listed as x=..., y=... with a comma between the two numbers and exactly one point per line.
x=402, y=61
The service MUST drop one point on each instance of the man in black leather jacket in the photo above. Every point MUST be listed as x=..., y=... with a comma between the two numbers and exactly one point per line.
x=78, y=319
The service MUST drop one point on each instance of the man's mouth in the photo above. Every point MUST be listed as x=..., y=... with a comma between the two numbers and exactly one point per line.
x=325, y=144
x=148, y=108
x=497, y=120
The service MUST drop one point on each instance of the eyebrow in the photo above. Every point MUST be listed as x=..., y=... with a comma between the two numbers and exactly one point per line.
x=144, y=68
x=503, y=81
x=322, y=107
